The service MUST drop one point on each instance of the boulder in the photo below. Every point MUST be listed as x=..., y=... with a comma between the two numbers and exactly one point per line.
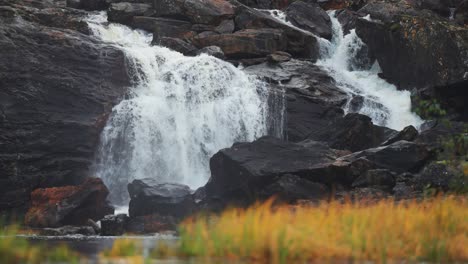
x=70, y=205
x=196, y=11
x=409, y=133
x=441, y=7
x=212, y=51
x=399, y=157
x=414, y=48
x=246, y=43
x=149, y=197
x=176, y=44
x=164, y=27
x=90, y=5
x=435, y=175
x=310, y=17
x=291, y=188
x=313, y=99
x=58, y=87
x=267, y=4
x=299, y=43
x=353, y=132
x=114, y=225
x=461, y=13
x=123, y=13
x=225, y=27
x=278, y=57
x=241, y=173
x=68, y=231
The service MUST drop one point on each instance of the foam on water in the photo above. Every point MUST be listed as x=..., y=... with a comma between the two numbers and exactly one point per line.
x=180, y=111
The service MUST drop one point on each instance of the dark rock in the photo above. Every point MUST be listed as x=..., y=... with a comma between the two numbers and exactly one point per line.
x=225, y=27
x=177, y=45
x=114, y=225
x=148, y=197
x=403, y=191
x=240, y=173
x=313, y=99
x=90, y=5
x=362, y=195
x=94, y=225
x=310, y=17
x=409, y=133
x=246, y=43
x=70, y=205
x=212, y=51
x=151, y=224
x=413, y=47
x=353, y=132
x=196, y=11
x=347, y=19
x=278, y=57
x=352, y=5
x=291, y=188
x=434, y=175
x=441, y=7
x=299, y=43
x=267, y=4
x=58, y=87
x=382, y=178
x=68, y=231
x=436, y=133
x=123, y=13
x=399, y=157
x=461, y=13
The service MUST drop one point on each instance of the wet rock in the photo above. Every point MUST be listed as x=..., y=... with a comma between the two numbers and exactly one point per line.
x=94, y=225
x=225, y=27
x=196, y=11
x=70, y=205
x=399, y=157
x=381, y=178
x=114, y=225
x=177, y=45
x=267, y=4
x=436, y=133
x=164, y=27
x=441, y=7
x=299, y=43
x=240, y=173
x=461, y=13
x=68, y=231
x=278, y=57
x=58, y=86
x=151, y=224
x=149, y=197
x=353, y=132
x=416, y=43
x=352, y=5
x=246, y=43
x=310, y=17
x=291, y=188
x=212, y=51
x=313, y=100
x=409, y=133
x=123, y=13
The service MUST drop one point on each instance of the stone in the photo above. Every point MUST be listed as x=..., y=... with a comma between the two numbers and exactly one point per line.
x=114, y=225
x=278, y=57
x=178, y=45
x=435, y=175
x=164, y=27
x=409, y=133
x=149, y=197
x=151, y=224
x=225, y=27
x=69, y=205
x=382, y=178
x=123, y=13
x=212, y=51
x=291, y=188
x=310, y=17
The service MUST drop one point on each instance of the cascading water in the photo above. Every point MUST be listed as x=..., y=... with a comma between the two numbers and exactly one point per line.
x=180, y=112
x=343, y=59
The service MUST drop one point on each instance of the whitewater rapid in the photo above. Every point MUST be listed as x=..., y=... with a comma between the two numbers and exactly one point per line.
x=180, y=112
x=343, y=60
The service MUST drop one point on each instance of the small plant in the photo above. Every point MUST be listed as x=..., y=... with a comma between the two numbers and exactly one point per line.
x=429, y=109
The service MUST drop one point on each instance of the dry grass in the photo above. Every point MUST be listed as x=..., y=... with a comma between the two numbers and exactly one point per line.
x=433, y=230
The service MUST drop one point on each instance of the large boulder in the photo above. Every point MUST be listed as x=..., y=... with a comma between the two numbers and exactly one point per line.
x=310, y=17
x=414, y=48
x=267, y=4
x=123, y=13
x=299, y=43
x=196, y=11
x=69, y=205
x=242, y=173
x=114, y=225
x=291, y=188
x=58, y=87
x=313, y=99
x=149, y=197
x=246, y=43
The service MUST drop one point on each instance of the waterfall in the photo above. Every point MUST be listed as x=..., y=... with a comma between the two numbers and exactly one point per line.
x=344, y=58
x=180, y=111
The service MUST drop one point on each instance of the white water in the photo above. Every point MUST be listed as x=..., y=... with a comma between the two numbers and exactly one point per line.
x=383, y=102
x=180, y=112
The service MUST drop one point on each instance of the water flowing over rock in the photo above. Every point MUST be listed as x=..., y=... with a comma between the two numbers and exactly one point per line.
x=180, y=111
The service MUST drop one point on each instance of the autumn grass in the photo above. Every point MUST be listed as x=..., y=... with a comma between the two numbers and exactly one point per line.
x=14, y=249
x=434, y=230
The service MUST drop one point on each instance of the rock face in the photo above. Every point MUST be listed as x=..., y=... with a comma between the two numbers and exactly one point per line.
x=310, y=17
x=70, y=205
x=414, y=48
x=148, y=197
x=58, y=86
